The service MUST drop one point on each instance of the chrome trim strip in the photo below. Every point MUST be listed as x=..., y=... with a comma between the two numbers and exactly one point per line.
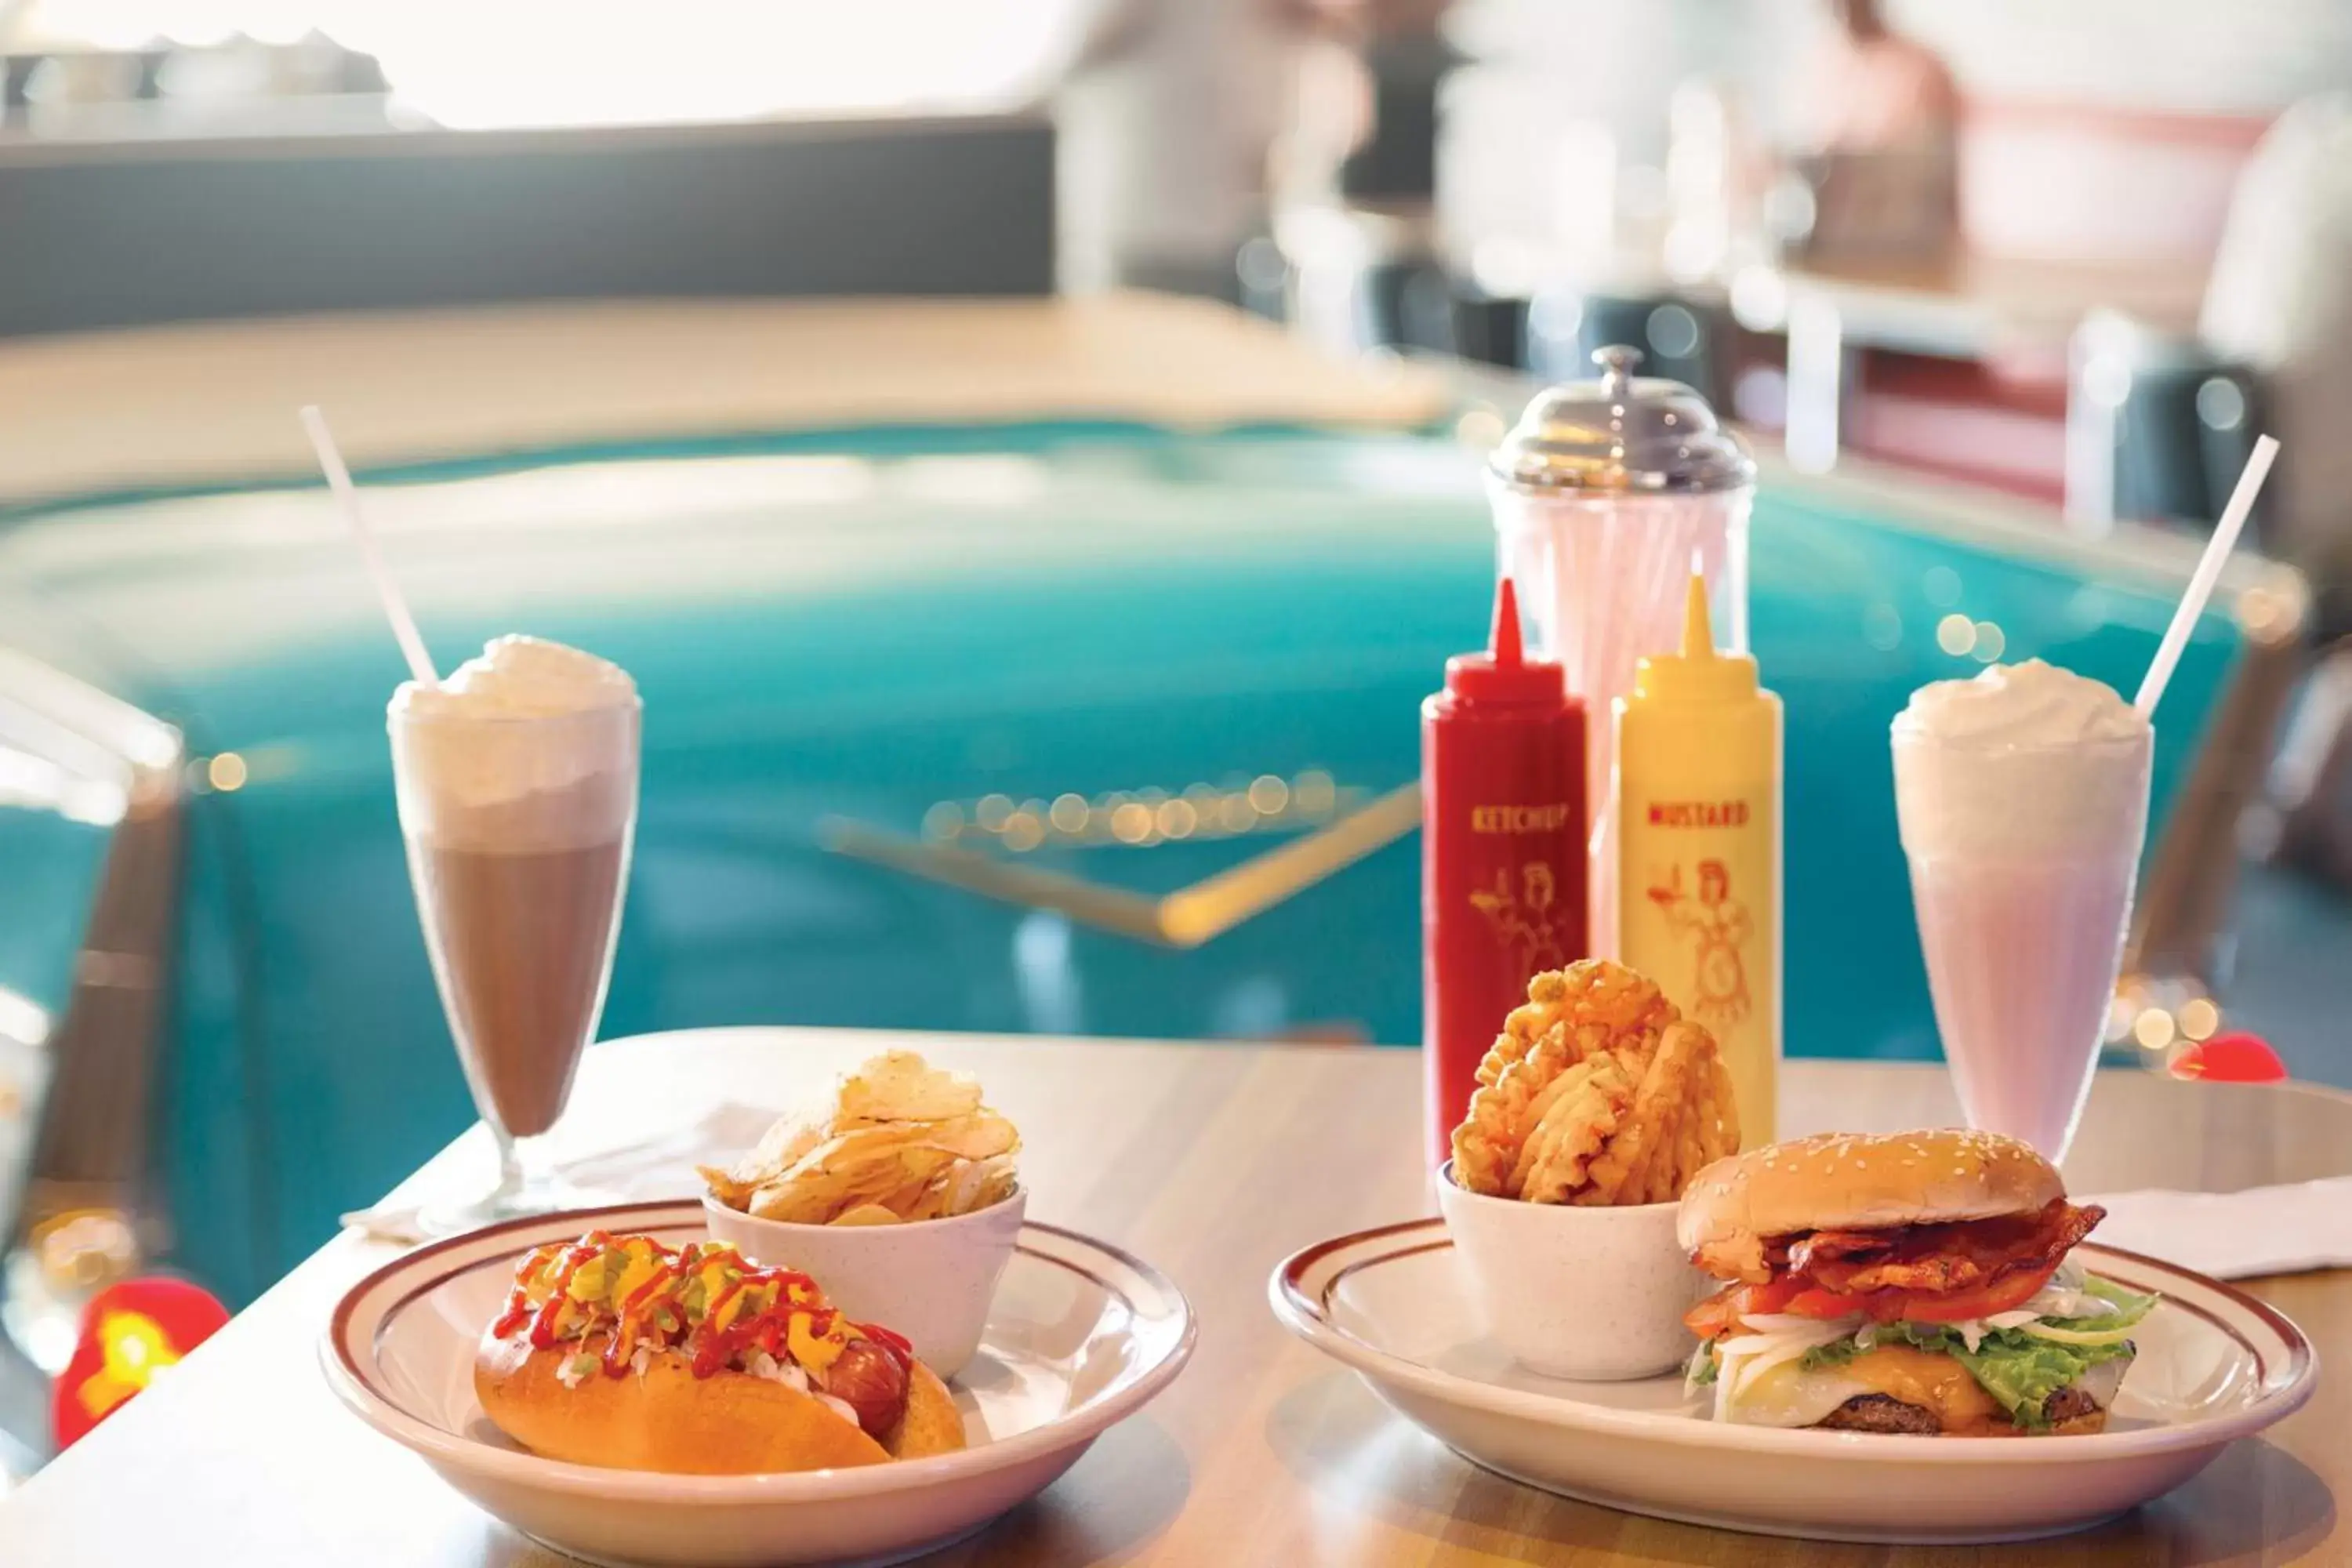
x=91, y=1147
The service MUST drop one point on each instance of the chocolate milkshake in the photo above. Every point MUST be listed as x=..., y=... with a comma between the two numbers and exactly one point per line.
x=518, y=788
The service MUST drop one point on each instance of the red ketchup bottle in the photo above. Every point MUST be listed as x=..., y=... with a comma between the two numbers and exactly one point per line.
x=1502, y=832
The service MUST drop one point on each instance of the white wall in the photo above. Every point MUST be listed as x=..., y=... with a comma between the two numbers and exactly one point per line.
x=1556, y=75
x=2181, y=56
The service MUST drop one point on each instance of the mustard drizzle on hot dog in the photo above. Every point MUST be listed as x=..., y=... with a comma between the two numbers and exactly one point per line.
x=704, y=1300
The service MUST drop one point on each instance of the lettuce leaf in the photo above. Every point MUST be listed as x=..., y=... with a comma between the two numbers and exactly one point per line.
x=2018, y=1370
x=2130, y=1306
x=1704, y=1368
x=1834, y=1354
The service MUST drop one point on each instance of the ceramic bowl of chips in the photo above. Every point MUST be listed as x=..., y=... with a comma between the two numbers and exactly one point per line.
x=899, y=1191
x=930, y=1279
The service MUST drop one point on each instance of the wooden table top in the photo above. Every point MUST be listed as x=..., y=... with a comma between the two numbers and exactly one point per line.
x=1213, y=1161
x=1992, y=307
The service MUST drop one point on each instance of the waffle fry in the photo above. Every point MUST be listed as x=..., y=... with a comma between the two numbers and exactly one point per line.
x=1719, y=1133
x=1621, y=1174
x=1596, y=1092
x=1487, y=1145
x=1579, y=1126
x=1593, y=1005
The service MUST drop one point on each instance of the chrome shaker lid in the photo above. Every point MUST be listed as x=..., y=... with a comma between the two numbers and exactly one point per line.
x=1623, y=433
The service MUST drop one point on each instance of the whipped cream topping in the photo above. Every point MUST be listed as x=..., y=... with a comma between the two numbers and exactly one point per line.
x=2026, y=762
x=521, y=678
x=2029, y=704
x=530, y=745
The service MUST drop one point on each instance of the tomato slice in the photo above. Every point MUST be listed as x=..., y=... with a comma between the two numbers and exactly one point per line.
x=1773, y=1296
x=1800, y=1296
x=1816, y=1303
x=1720, y=1313
x=2003, y=1295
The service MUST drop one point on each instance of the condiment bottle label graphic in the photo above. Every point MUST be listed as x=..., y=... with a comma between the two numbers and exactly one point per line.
x=1698, y=887
x=1503, y=853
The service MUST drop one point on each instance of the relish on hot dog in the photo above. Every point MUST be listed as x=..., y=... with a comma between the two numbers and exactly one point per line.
x=622, y=1351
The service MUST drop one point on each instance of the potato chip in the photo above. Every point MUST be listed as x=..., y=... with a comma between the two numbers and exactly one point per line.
x=901, y=1137
x=864, y=1213
x=790, y=1138
x=983, y=1135
x=899, y=1086
x=997, y=1180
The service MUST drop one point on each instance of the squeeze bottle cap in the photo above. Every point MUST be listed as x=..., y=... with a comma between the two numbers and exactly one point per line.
x=1700, y=672
x=1503, y=674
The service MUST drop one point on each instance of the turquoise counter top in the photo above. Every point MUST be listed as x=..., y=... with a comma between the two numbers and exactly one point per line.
x=874, y=625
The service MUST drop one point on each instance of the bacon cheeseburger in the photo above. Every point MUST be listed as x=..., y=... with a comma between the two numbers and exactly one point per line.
x=618, y=1350
x=1912, y=1283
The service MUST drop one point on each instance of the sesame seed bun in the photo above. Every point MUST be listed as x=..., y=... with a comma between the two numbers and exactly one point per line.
x=1853, y=1181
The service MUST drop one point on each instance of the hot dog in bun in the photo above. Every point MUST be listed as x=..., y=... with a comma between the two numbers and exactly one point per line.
x=622, y=1351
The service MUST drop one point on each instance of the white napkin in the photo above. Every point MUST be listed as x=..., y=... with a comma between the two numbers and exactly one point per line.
x=2231, y=1236
x=657, y=1167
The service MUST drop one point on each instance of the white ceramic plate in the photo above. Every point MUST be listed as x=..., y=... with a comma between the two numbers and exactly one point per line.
x=1080, y=1336
x=2214, y=1364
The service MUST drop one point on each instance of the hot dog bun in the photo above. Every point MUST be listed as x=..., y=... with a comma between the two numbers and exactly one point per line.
x=667, y=1419
x=932, y=1424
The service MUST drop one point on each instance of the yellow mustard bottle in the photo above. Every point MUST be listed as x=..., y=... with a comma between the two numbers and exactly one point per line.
x=1698, y=846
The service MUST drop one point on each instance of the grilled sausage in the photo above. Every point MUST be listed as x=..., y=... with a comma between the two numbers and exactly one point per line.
x=868, y=1379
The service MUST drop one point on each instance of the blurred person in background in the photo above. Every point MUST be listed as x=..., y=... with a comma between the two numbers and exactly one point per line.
x=1170, y=117
x=2280, y=302
x=1873, y=90
x=1878, y=131
x=1165, y=120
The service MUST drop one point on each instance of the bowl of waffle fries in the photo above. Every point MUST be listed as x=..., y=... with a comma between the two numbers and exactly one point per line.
x=1596, y=1106
x=899, y=1192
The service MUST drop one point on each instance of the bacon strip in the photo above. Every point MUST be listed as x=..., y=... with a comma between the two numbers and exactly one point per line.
x=1717, y=1316
x=1921, y=1259
x=1742, y=1258
x=1941, y=1258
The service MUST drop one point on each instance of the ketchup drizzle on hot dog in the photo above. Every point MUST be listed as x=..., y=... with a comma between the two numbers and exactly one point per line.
x=543, y=1318
x=898, y=1343
x=655, y=1309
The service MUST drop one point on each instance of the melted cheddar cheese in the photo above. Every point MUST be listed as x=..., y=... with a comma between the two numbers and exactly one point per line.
x=1788, y=1396
x=1932, y=1382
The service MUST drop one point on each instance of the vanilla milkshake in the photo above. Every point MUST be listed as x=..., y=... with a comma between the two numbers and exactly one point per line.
x=2022, y=796
x=517, y=786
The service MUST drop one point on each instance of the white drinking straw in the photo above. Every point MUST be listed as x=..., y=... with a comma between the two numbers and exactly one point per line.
x=395, y=608
x=2209, y=572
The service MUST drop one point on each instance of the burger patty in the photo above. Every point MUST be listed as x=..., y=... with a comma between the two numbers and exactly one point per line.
x=1884, y=1413
x=2068, y=1405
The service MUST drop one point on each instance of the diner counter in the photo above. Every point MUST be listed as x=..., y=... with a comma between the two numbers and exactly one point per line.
x=211, y=404
x=1212, y=1161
